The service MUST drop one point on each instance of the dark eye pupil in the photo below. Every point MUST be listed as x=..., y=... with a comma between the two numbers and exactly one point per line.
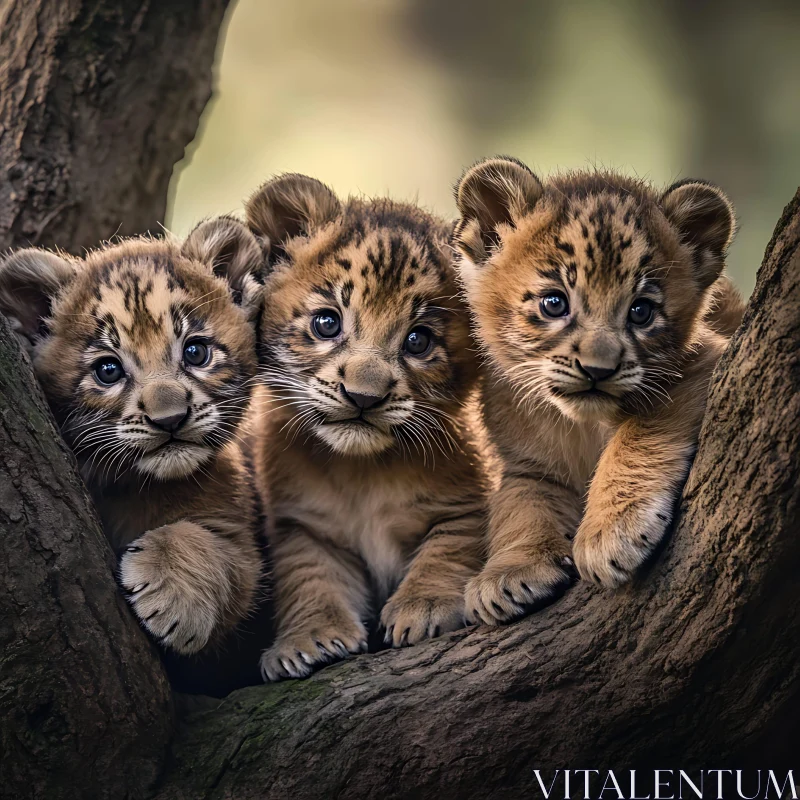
x=195, y=353
x=640, y=312
x=418, y=341
x=555, y=305
x=109, y=371
x=327, y=325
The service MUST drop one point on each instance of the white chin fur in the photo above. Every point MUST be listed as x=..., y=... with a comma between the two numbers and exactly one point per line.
x=586, y=409
x=173, y=461
x=354, y=440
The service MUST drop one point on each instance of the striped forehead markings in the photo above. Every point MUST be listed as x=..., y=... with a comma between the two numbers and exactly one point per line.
x=177, y=314
x=144, y=323
x=347, y=293
x=606, y=229
x=391, y=267
x=608, y=233
x=572, y=274
x=388, y=265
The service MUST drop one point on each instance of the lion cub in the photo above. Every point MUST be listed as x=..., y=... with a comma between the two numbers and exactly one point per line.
x=144, y=350
x=591, y=298
x=375, y=493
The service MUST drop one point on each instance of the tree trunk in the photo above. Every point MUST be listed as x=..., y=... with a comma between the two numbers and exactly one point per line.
x=97, y=102
x=695, y=665
x=84, y=703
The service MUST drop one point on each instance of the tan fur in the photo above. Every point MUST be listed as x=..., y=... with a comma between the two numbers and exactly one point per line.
x=725, y=307
x=627, y=431
x=178, y=505
x=384, y=518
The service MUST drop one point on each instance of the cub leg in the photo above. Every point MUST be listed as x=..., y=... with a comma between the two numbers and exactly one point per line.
x=530, y=521
x=187, y=584
x=321, y=596
x=430, y=599
x=633, y=495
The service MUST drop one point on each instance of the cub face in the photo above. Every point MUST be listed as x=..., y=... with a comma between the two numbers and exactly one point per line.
x=144, y=349
x=586, y=289
x=363, y=337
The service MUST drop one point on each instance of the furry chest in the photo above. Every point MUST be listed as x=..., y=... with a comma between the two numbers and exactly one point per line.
x=382, y=525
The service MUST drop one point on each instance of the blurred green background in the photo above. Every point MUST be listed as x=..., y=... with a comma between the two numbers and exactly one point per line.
x=398, y=96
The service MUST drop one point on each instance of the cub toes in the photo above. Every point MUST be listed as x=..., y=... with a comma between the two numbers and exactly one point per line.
x=610, y=548
x=408, y=621
x=298, y=657
x=168, y=609
x=611, y=556
x=609, y=563
x=499, y=595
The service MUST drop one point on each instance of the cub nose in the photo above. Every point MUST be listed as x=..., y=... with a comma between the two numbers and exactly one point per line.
x=363, y=401
x=170, y=423
x=596, y=373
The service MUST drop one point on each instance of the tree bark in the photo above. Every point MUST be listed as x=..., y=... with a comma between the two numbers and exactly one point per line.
x=97, y=102
x=695, y=665
x=85, y=709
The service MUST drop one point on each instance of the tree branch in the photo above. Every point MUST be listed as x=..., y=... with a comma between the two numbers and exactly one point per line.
x=694, y=664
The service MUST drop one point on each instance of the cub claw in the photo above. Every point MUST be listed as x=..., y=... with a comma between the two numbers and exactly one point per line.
x=609, y=551
x=409, y=619
x=297, y=656
x=502, y=592
x=178, y=614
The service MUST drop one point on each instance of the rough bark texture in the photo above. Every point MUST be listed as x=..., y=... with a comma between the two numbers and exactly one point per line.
x=84, y=704
x=97, y=102
x=695, y=665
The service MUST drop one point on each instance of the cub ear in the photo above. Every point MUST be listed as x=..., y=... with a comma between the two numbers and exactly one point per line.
x=30, y=279
x=705, y=221
x=291, y=205
x=230, y=250
x=493, y=192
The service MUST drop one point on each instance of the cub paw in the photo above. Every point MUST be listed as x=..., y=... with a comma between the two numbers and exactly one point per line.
x=408, y=620
x=505, y=591
x=609, y=552
x=169, y=603
x=298, y=655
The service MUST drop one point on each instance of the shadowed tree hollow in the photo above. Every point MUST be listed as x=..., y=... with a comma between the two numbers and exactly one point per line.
x=696, y=664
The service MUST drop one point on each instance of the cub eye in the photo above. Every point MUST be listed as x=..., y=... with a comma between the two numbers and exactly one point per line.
x=327, y=324
x=418, y=342
x=641, y=312
x=108, y=371
x=196, y=354
x=555, y=304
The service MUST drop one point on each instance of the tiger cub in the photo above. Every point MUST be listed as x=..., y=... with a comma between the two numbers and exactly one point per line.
x=591, y=296
x=144, y=350
x=377, y=497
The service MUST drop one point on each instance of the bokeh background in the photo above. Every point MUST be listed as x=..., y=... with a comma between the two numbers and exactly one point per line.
x=398, y=96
